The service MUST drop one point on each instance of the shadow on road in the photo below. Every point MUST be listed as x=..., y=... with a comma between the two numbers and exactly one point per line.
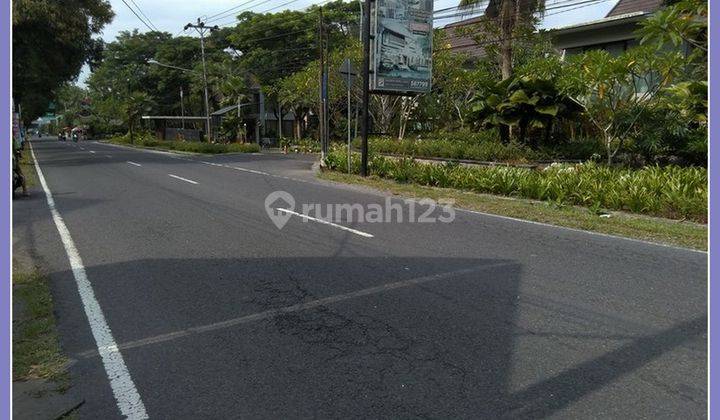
x=335, y=336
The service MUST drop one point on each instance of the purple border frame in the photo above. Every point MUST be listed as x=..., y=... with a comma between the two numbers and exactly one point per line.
x=5, y=293
x=714, y=296
x=5, y=259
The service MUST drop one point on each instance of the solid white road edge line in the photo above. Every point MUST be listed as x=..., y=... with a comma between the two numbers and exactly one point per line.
x=182, y=179
x=133, y=163
x=325, y=222
x=123, y=387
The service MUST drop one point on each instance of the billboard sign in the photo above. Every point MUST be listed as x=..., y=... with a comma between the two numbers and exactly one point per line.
x=402, y=46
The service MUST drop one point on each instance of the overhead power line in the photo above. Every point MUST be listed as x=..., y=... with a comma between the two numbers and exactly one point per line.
x=138, y=16
x=579, y=5
x=562, y=4
x=304, y=9
x=227, y=12
x=238, y=9
x=144, y=15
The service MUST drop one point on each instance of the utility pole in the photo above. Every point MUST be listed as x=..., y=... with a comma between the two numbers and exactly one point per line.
x=321, y=108
x=202, y=29
x=365, y=87
x=182, y=110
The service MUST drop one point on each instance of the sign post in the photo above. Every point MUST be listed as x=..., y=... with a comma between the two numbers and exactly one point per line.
x=402, y=53
x=401, y=57
x=348, y=73
x=365, y=87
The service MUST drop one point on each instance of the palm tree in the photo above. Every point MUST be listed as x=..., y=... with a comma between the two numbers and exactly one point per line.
x=507, y=15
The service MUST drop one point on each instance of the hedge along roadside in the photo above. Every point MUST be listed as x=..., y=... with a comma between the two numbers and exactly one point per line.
x=671, y=191
x=188, y=146
x=482, y=148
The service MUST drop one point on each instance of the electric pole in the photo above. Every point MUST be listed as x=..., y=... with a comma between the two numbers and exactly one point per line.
x=321, y=108
x=365, y=87
x=202, y=29
x=182, y=110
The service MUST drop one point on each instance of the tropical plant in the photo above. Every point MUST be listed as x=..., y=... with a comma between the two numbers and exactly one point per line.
x=525, y=103
x=682, y=22
x=669, y=191
x=617, y=91
x=135, y=105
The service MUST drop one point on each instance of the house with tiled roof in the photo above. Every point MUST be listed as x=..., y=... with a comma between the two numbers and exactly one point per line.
x=615, y=32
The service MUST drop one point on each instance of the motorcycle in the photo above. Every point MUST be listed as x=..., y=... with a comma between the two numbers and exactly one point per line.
x=75, y=137
x=18, y=177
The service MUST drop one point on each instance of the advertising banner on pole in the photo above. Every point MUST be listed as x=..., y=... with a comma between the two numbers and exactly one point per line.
x=402, y=46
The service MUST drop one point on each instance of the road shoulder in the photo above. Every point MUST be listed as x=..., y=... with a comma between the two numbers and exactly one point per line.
x=41, y=381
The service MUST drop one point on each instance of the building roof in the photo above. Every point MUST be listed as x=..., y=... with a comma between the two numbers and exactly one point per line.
x=599, y=23
x=460, y=37
x=624, y=7
x=625, y=11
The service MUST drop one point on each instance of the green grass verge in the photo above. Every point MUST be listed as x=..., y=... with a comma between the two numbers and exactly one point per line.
x=36, y=348
x=665, y=231
x=671, y=192
x=28, y=168
x=35, y=344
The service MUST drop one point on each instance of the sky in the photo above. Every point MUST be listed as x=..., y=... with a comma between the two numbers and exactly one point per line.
x=172, y=15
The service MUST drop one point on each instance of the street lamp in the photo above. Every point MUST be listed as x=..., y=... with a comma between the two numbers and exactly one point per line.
x=157, y=63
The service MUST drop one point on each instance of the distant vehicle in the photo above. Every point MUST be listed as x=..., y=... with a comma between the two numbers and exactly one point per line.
x=61, y=136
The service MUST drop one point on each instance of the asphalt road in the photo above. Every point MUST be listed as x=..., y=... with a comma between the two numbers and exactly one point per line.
x=220, y=314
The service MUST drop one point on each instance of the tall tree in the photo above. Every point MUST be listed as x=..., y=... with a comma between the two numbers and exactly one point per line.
x=508, y=17
x=51, y=41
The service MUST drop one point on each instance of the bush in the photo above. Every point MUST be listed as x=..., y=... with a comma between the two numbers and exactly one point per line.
x=482, y=147
x=670, y=191
x=147, y=140
x=300, y=145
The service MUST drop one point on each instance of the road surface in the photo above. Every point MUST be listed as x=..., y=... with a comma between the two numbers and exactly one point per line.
x=217, y=313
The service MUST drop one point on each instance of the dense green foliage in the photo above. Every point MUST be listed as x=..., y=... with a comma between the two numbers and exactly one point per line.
x=644, y=106
x=483, y=146
x=51, y=42
x=187, y=146
x=525, y=103
x=669, y=191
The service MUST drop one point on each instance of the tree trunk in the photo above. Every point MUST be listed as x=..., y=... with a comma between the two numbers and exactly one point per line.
x=504, y=133
x=523, y=132
x=507, y=22
x=548, y=131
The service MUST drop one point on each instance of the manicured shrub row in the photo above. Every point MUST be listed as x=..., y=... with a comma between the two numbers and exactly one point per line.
x=306, y=145
x=482, y=148
x=189, y=146
x=671, y=191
